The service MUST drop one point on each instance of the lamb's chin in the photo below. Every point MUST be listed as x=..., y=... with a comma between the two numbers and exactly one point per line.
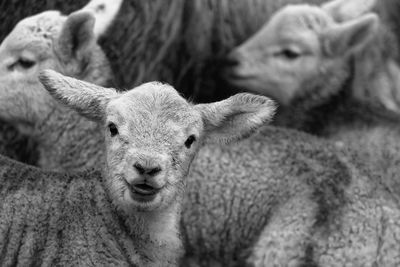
x=138, y=202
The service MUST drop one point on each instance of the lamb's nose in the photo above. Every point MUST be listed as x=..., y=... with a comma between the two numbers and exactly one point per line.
x=146, y=169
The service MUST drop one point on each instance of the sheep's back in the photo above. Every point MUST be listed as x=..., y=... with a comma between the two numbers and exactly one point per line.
x=236, y=193
x=233, y=192
x=51, y=219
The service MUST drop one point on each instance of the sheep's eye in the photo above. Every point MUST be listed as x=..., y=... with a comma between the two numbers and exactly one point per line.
x=22, y=63
x=289, y=54
x=113, y=129
x=26, y=63
x=190, y=141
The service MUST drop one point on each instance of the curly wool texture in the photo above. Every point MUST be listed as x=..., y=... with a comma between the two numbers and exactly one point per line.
x=281, y=194
x=51, y=219
x=157, y=40
x=347, y=105
x=370, y=130
x=299, y=204
x=277, y=164
x=180, y=42
x=13, y=144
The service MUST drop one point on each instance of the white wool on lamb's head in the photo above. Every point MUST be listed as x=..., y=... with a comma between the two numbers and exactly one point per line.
x=48, y=40
x=152, y=133
x=302, y=44
x=38, y=29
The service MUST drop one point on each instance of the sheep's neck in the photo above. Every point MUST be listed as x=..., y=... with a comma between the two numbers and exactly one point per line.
x=68, y=141
x=159, y=232
x=364, y=99
x=371, y=98
x=156, y=234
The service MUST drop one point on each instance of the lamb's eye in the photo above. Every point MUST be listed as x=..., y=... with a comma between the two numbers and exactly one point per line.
x=191, y=139
x=113, y=129
x=26, y=63
x=22, y=63
x=289, y=54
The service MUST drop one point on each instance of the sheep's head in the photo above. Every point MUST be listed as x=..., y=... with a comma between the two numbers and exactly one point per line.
x=47, y=40
x=302, y=45
x=152, y=133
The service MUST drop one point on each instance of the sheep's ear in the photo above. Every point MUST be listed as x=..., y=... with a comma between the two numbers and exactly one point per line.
x=76, y=37
x=236, y=117
x=86, y=98
x=344, y=38
x=105, y=12
x=343, y=10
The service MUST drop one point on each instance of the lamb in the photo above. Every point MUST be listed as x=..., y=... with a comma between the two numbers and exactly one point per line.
x=68, y=45
x=59, y=148
x=334, y=66
x=185, y=42
x=130, y=215
x=292, y=171
x=180, y=42
x=306, y=197
x=36, y=38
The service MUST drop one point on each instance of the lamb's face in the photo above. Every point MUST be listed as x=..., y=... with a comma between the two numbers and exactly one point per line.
x=301, y=46
x=23, y=53
x=44, y=41
x=152, y=134
x=277, y=59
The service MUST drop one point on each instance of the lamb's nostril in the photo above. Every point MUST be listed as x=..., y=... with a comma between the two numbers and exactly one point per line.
x=149, y=170
x=154, y=171
x=139, y=168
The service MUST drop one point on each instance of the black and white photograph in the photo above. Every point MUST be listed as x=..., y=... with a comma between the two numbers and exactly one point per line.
x=200, y=133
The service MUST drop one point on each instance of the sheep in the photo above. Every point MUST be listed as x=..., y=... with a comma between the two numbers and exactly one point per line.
x=68, y=45
x=279, y=197
x=180, y=42
x=221, y=231
x=129, y=215
x=305, y=166
x=143, y=64
x=140, y=58
x=334, y=68
x=12, y=143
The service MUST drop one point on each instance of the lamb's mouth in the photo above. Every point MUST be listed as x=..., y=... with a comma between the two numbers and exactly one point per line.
x=144, y=189
x=143, y=192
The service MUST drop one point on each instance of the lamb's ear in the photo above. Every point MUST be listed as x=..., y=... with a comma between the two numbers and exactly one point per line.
x=343, y=10
x=236, y=117
x=344, y=38
x=76, y=37
x=105, y=12
x=88, y=99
